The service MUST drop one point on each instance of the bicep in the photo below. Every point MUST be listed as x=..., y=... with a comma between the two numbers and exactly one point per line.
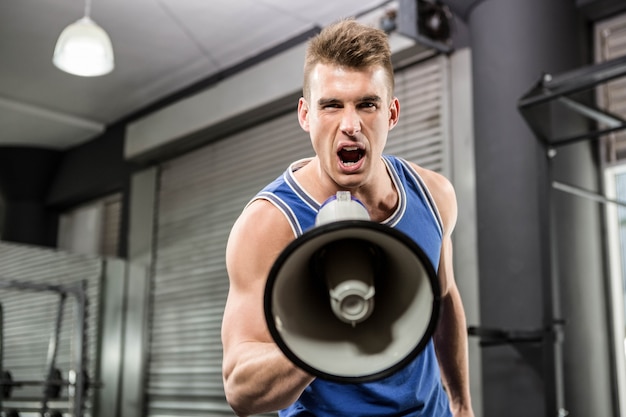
x=445, y=271
x=444, y=196
x=255, y=241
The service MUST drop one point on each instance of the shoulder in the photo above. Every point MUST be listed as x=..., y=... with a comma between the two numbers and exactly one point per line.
x=435, y=182
x=443, y=194
x=257, y=237
x=261, y=220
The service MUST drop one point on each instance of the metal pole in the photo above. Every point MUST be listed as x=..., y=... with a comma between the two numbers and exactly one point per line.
x=53, y=348
x=81, y=349
x=552, y=309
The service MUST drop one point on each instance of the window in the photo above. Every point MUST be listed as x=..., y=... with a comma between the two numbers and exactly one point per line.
x=610, y=43
x=615, y=182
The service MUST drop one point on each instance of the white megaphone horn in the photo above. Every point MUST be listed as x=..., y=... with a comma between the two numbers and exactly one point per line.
x=351, y=300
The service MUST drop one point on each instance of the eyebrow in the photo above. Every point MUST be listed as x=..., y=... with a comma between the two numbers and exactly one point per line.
x=326, y=101
x=372, y=98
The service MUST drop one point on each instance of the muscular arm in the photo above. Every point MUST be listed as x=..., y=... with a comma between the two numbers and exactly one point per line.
x=451, y=343
x=451, y=334
x=257, y=376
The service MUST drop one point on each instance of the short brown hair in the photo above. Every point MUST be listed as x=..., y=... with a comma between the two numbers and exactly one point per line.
x=349, y=44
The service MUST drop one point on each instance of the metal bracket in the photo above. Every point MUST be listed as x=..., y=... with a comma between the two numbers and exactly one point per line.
x=528, y=343
x=553, y=96
x=491, y=336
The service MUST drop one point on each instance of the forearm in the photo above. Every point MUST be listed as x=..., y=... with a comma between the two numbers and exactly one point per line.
x=451, y=346
x=262, y=380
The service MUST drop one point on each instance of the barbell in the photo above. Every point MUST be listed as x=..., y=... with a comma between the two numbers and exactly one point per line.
x=53, y=384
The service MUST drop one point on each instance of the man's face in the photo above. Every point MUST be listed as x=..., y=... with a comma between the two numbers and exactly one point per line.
x=348, y=115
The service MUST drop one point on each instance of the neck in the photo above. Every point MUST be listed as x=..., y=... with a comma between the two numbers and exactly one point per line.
x=382, y=202
x=379, y=195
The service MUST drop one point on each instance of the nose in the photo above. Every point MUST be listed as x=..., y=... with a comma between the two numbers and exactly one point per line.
x=350, y=121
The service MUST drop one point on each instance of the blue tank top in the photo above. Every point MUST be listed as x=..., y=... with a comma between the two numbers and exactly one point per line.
x=415, y=390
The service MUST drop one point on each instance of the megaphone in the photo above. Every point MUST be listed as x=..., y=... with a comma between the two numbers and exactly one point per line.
x=351, y=300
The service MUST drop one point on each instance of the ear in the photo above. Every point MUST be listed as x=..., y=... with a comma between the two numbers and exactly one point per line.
x=303, y=114
x=394, y=112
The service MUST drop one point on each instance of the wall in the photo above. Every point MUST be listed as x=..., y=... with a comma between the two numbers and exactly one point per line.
x=25, y=177
x=93, y=170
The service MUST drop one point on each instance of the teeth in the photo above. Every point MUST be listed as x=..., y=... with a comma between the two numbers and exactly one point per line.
x=350, y=155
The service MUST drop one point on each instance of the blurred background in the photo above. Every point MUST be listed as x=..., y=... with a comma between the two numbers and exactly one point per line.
x=119, y=184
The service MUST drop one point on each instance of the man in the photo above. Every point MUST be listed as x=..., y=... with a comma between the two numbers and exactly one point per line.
x=347, y=108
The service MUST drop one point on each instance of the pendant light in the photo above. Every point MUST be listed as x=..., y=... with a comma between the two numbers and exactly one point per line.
x=84, y=48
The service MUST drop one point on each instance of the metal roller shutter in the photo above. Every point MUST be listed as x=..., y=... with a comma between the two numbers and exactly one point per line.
x=422, y=135
x=611, y=44
x=29, y=320
x=200, y=196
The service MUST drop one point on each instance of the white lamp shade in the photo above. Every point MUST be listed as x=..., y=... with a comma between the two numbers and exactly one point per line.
x=84, y=49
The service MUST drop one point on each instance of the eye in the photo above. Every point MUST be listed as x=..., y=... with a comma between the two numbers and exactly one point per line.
x=368, y=105
x=329, y=104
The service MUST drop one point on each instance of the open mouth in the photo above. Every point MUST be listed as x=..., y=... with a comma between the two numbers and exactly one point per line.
x=350, y=155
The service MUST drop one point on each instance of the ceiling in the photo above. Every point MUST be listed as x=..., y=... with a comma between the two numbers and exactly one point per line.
x=161, y=47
